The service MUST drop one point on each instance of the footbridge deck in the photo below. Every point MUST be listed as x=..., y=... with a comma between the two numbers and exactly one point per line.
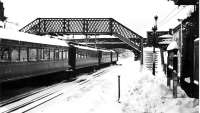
x=84, y=26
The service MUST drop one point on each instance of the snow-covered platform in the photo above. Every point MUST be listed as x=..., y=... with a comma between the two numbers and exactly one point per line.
x=141, y=92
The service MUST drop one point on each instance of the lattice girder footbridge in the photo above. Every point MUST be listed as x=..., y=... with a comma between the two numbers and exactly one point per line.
x=84, y=26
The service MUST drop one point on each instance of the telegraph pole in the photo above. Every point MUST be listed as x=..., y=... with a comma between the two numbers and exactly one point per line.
x=154, y=43
x=2, y=16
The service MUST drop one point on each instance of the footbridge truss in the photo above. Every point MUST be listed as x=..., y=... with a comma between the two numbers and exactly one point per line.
x=84, y=26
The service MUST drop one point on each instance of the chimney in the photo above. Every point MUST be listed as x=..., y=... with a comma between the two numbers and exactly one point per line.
x=2, y=17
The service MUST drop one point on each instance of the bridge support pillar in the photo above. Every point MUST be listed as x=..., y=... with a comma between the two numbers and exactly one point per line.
x=141, y=54
x=137, y=55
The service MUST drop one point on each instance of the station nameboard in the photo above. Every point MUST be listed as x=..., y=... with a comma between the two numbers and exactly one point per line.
x=150, y=36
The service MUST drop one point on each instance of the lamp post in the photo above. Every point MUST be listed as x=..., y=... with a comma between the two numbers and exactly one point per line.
x=180, y=47
x=154, y=43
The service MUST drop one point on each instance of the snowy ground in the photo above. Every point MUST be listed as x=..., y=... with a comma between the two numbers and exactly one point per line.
x=140, y=93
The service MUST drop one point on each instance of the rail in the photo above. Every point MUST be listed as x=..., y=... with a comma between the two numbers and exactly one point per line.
x=40, y=96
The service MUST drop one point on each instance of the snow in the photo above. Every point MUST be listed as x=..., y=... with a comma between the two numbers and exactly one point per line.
x=197, y=39
x=20, y=36
x=86, y=48
x=150, y=49
x=172, y=45
x=141, y=92
x=103, y=50
x=166, y=36
x=92, y=49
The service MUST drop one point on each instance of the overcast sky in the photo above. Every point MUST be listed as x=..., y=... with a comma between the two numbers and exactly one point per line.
x=137, y=15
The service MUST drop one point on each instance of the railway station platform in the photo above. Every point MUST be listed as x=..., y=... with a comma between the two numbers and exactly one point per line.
x=99, y=92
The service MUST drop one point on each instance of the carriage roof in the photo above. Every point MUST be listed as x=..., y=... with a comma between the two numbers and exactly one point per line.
x=90, y=48
x=103, y=50
x=25, y=37
x=86, y=48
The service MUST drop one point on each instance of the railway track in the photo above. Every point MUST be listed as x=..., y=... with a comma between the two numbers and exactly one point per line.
x=23, y=100
x=22, y=96
x=40, y=100
x=28, y=101
x=95, y=75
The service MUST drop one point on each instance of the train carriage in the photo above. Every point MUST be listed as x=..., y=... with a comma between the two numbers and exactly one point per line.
x=83, y=56
x=106, y=57
x=114, y=57
x=24, y=55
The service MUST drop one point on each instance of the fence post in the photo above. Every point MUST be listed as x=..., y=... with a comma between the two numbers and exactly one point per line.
x=175, y=83
x=168, y=82
x=118, y=88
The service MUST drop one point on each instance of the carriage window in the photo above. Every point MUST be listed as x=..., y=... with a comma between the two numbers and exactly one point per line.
x=56, y=54
x=67, y=54
x=41, y=54
x=46, y=54
x=60, y=54
x=51, y=54
x=32, y=54
x=79, y=54
x=15, y=54
x=23, y=54
x=64, y=54
x=4, y=54
x=84, y=56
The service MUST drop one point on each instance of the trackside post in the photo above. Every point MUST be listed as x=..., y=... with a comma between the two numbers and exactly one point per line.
x=118, y=88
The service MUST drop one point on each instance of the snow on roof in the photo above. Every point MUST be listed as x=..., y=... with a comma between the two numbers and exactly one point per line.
x=197, y=39
x=105, y=50
x=166, y=36
x=165, y=42
x=150, y=49
x=20, y=36
x=85, y=47
x=90, y=48
x=113, y=51
x=172, y=45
